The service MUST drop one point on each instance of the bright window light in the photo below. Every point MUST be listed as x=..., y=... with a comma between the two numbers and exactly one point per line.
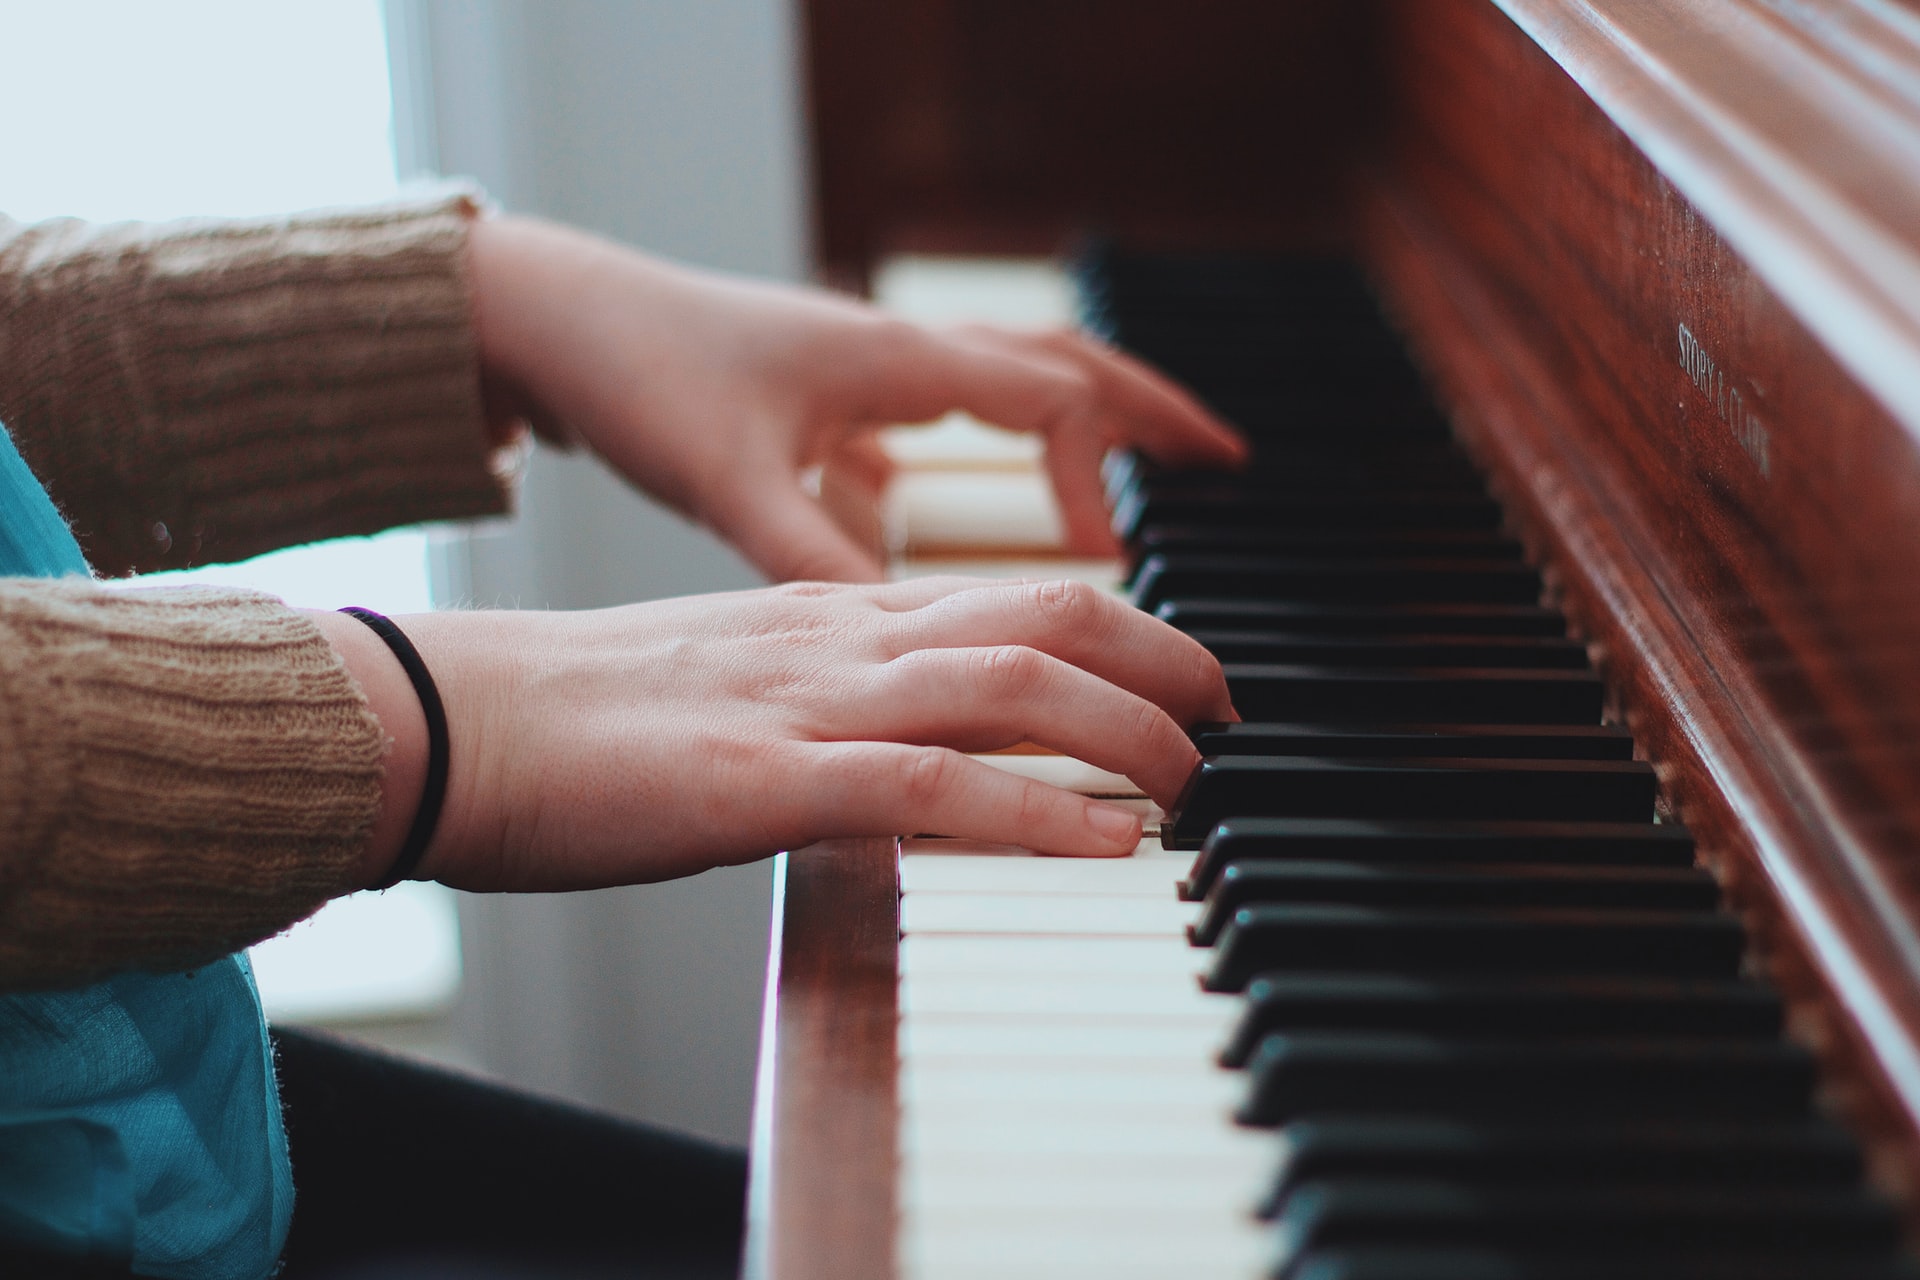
x=128, y=109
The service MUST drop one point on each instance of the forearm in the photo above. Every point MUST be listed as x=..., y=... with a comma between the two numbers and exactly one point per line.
x=202, y=391
x=182, y=773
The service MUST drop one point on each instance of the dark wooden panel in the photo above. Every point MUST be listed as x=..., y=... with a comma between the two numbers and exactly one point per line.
x=1689, y=437
x=820, y=1205
x=1010, y=125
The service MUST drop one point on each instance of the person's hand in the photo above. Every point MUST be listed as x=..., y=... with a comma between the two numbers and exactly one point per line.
x=661, y=739
x=719, y=395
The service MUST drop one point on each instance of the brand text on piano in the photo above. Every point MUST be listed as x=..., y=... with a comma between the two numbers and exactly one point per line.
x=1706, y=374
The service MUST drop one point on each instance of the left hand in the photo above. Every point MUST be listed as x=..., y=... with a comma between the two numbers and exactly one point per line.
x=717, y=395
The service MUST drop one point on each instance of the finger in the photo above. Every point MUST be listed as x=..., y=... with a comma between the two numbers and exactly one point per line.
x=1074, y=454
x=1019, y=387
x=1119, y=401
x=1080, y=624
x=853, y=505
x=788, y=536
x=982, y=699
x=1162, y=417
x=864, y=460
x=884, y=788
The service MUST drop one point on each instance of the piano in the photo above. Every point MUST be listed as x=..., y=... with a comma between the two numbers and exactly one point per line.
x=1555, y=911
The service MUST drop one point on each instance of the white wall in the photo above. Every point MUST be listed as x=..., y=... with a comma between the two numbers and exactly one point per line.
x=674, y=125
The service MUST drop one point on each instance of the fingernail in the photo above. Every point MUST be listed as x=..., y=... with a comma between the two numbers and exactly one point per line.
x=1115, y=825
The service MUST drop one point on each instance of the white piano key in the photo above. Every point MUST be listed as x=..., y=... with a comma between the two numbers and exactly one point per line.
x=1061, y=1111
x=1142, y=1181
x=972, y=1038
x=1146, y=1138
x=1047, y=914
x=950, y=1084
x=1064, y=772
x=1079, y=997
x=988, y=1169
x=1226, y=1244
x=1104, y=574
x=1174, y=1217
x=983, y=954
x=957, y=1125
x=1135, y=877
x=980, y=511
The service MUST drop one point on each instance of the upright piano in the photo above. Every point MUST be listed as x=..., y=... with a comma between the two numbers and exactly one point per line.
x=1556, y=910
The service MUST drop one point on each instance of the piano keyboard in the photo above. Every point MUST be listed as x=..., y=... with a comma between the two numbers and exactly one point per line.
x=1412, y=984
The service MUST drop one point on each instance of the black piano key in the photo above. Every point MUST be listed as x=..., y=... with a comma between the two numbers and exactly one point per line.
x=1202, y=613
x=1432, y=1264
x=1376, y=695
x=1375, y=884
x=1217, y=501
x=1374, y=840
x=1295, y=649
x=1564, y=1153
x=1312, y=787
x=1343, y=544
x=1500, y=1007
x=1539, y=942
x=1443, y=741
x=1582, y=1225
x=1297, y=1075
x=1282, y=467
x=1270, y=414
x=1142, y=510
x=1124, y=472
x=1332, y=580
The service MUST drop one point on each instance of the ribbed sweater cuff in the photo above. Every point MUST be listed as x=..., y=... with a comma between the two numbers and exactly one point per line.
x=200, y=391
x=183, y=772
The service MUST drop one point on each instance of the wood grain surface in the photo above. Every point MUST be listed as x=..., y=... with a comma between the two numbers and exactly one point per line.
x=820, y=1204
x=971, y=126
x=1731, y=511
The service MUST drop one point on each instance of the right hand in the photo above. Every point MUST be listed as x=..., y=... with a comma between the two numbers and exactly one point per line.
x=662, y=739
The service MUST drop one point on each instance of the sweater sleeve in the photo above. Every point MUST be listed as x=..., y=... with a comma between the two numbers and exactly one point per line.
x=183, y=771
x=203, y=391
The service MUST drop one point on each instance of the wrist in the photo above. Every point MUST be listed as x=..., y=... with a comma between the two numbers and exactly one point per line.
x=390, y=696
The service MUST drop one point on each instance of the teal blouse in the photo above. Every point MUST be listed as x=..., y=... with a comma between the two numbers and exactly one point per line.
x=139, y=1118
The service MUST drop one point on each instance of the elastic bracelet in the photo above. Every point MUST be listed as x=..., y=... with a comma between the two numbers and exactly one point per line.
x=434, y=793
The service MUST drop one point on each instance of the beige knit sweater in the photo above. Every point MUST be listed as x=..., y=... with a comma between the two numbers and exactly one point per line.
x=185, y=771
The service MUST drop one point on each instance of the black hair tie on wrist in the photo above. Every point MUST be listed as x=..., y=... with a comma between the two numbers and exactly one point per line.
x=434, y=793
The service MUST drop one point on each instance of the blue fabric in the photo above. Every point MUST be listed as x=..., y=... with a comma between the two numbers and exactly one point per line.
x=139, y=1119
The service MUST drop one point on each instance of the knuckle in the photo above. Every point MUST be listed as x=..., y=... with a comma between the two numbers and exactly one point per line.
x=1065, y=607
x=1075, y=392
x=1205, y=678
x=912, y=669
x=925, y=774
x=1032, y=806
x=1152, y=726
x=895, y=343
x=807, y=590
x=1010, y=672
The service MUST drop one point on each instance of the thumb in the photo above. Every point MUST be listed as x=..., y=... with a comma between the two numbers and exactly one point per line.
x=789, y=536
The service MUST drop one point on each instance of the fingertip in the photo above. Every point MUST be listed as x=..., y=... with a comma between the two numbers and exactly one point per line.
x=1091, y=539
x=1118, y=830
x=1237, y=446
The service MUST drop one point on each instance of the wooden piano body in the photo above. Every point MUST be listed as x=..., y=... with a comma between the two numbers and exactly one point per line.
x=1661, y=260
